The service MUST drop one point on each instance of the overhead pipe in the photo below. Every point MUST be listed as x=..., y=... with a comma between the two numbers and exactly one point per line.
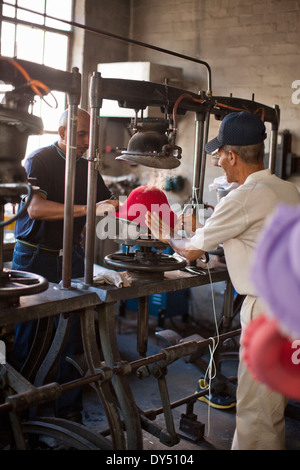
x=130, y=41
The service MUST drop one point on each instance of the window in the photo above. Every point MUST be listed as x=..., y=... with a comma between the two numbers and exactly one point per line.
x=34, y=37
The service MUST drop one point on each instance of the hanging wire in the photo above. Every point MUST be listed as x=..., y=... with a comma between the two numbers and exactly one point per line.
x=37, y=86
x=128, y=40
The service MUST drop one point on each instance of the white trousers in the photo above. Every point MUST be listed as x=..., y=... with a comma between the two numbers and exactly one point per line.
x=260, y=423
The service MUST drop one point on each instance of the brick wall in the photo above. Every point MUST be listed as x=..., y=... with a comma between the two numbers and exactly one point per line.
x=252, y=47
x=110, y=16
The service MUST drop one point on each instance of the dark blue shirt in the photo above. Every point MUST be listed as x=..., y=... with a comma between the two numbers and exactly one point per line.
x=47, y=168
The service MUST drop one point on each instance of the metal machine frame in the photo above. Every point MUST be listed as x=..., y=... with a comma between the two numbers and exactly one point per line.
x=140, y=94
x=111, y=376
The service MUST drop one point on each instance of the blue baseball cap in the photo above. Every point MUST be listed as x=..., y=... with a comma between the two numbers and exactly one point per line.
x=238, y=129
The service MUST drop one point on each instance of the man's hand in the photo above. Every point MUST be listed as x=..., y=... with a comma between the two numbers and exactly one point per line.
x=188, y=223
x=160, y=230
x=107, y=206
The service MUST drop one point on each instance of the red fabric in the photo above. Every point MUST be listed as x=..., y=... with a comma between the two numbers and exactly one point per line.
x=272, y=358
x=143, y=199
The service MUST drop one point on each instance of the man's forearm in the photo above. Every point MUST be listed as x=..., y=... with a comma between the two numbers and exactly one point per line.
x=42, y=209
x=185, y=247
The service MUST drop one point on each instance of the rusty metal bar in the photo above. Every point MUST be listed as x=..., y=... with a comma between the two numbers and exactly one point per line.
x=69, y=196
x=215, y=388
x=70, y=173
x=1, y=236
x=203, y=158
x=142, y=327
x=272, y=152
x=273, y=141
x=95, y=104
x=168, y=354
x=106, y=320
x=199, y=132
x=103, y=384
x=164, y=396
x=185, y=348
x=151, y=414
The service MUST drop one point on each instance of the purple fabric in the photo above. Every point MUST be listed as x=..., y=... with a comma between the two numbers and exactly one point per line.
x=276, y=268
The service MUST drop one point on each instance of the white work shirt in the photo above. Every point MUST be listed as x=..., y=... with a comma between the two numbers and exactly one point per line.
x=238, y=220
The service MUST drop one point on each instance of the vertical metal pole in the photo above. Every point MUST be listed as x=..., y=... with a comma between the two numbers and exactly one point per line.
x=95, y=104
x=273, y=143
x=70, y=172
x=142, y=327
x=228, y=306
x=198, y=164
x=197, y=154
x=111, y=354
x=272, y=153
x=203, y=159
x=1, y=236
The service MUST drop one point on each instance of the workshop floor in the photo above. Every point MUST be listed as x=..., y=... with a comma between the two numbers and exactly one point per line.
x=182, y=379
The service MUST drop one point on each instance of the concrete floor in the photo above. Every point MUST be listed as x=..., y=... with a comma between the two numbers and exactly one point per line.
x=182, y=377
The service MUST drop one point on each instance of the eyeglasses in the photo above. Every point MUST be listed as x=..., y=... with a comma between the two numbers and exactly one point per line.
x=214, y=154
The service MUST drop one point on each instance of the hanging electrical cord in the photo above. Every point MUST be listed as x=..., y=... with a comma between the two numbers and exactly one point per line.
x=40, y=89
x=37, y=86
x=217, y=104
x=211, y=371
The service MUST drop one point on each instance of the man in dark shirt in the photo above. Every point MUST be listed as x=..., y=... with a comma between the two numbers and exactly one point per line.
x=39, y=240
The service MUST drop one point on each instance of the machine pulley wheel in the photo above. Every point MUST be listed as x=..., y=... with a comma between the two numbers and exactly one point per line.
x=131, y=262
x=14, y=284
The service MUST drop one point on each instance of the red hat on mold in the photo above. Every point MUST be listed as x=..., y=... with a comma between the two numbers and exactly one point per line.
x=143, y=199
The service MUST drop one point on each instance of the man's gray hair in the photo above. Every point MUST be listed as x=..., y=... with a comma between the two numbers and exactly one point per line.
x=250, y=154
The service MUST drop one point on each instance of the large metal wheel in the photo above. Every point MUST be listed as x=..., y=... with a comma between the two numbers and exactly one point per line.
x=67, y=433
x=134, y=262
x=14, y=284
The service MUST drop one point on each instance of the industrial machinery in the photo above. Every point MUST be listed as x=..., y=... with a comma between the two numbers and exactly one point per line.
x=16, y=124
x=110, y=374
x=153, y=143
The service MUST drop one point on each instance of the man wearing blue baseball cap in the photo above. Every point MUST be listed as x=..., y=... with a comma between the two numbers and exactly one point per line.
x=237, y=221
